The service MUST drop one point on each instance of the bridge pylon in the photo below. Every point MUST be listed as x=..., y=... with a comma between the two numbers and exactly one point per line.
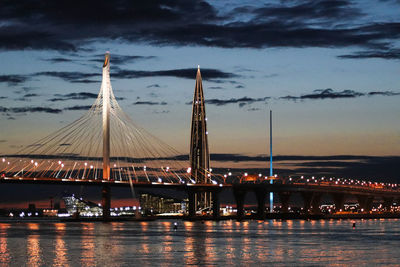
x=106, y=87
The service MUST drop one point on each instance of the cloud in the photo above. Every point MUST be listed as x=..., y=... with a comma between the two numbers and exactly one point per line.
x=312, y=10
x=116, y=73
x=3, y=97
x=153, y=86
x=384, y=93
x=331, y=94
x=189, y=73
x=77, y=107
x=30, y=110
x=13, y=79
x=241, y=101
x=116, y=59
x=3, y=141
x=27, y=97
x=30, y=95
x=324, y=94
x=383, y=54
x=73, y=96
x=71, y=76
x=391, y=1
x=58, y=59
x=215, y=87
x=21, y=35
x=150, y=103
x=338, y=23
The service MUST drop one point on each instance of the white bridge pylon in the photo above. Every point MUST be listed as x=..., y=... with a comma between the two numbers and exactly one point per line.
x=103, y=144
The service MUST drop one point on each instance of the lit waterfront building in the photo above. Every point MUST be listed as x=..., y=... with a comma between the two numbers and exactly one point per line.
x=152, y=204
x=82, y=207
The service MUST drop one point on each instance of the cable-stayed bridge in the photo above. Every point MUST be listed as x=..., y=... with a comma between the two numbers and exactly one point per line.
x=106, y=148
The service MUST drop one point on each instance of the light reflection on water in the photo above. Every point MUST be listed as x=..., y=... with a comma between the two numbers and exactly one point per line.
x=297, y=242
x=4, y=252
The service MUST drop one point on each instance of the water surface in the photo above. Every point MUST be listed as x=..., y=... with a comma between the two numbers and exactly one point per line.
x=293, y=242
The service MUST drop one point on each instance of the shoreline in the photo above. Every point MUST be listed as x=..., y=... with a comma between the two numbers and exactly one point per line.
x=284, y=217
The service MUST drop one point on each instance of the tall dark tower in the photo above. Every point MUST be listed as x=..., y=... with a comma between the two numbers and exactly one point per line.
x=199, y=153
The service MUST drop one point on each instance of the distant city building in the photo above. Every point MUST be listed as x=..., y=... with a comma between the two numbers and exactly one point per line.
x=83, y=208
x=152, y=204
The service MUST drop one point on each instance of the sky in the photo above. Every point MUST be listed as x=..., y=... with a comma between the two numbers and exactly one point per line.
x=329, y=70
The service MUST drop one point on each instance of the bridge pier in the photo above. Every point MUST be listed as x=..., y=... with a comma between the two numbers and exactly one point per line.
x=338, y=199
x=261, y=195
x=316, y=202
x=192, y=204
x=365, y=202
x=284, y=197
x=239, y=197
x=311, y=201
x=106, y=201
x=387, y=202
x=307, y=198
x=215, y=204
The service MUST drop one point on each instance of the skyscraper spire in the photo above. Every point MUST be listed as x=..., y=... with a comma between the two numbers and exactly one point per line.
x=199, y=153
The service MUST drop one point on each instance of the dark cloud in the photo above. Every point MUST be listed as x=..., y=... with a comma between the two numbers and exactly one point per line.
x=39, y=24
x=153, y=86
x=307, y=10
x=241, y=101
x=331, y=94
x=78, y=107
x=391, y=1
x=3, y=97
x=384, y=93
x=253, y=109
x=13, y=79
x=239, y=86
x=58, y=59
x=73, y=96
x=215, y=87
x=83, y=77
x=120, y=59
x=25, y=36
x=26, y=97
x=150, y=103
x=240, y=157
x=70, y=76
x=30, y=110
x=324, y=94
x=189, y=73
x=30, y=95
x=384, y=54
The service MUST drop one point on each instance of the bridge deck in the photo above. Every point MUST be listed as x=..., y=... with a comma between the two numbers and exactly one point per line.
x=288, y=187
